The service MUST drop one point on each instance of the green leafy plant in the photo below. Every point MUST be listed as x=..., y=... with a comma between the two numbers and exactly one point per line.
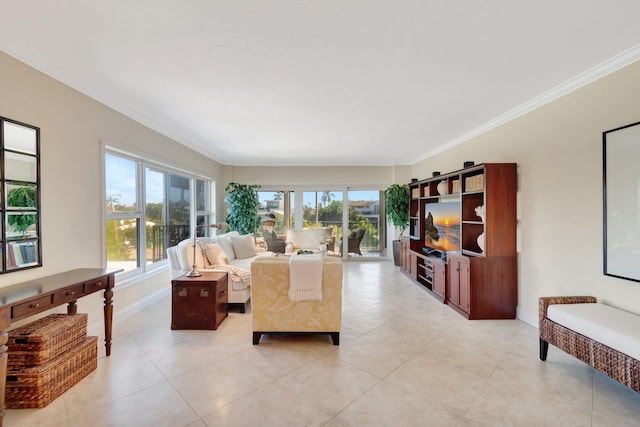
x=396, y=200
x=22, y=197
x=243, y=207
x=397, y=205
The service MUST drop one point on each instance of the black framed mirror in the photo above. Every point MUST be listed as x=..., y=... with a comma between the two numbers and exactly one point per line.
x=621, y=200
x=20, y=236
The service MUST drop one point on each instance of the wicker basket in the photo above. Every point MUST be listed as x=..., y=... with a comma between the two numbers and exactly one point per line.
x=474, y=183
x=38, y=342
x=37, y=386
x=455, y=186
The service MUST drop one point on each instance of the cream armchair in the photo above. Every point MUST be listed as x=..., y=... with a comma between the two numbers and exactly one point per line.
x=314, y=239
x=273, y=312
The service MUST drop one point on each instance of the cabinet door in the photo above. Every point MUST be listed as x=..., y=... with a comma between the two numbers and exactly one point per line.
x=439, y=281
x=454, y=281
x=464, y=282
x=413, y=265
x=404, y=255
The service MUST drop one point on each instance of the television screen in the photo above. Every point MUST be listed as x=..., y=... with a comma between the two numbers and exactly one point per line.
x=442, y=225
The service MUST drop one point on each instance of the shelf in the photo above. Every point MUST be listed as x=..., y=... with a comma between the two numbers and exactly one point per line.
x=429, y=280
x=472, y=253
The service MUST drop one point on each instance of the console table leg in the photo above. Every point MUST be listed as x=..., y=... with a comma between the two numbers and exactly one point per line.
x=108, y=318
x=72, y=307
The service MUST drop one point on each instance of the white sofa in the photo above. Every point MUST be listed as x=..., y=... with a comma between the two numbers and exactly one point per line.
x=239, y=250
x=313, y=239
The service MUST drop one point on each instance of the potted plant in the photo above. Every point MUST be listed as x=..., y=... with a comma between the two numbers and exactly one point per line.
x=397, y=205
x=243, y=207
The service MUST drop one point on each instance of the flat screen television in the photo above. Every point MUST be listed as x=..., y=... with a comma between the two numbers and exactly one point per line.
x=442, y=225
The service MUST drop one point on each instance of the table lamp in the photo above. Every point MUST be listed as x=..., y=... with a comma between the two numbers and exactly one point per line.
x=222, y=226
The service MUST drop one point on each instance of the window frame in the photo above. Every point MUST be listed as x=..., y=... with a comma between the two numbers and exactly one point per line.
x=145, y=265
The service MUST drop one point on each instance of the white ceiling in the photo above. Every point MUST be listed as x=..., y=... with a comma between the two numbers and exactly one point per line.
x=331, y=82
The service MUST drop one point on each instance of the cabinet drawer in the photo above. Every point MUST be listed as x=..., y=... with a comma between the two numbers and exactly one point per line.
x=95, y=285
x=66, y=295
x=31, y=307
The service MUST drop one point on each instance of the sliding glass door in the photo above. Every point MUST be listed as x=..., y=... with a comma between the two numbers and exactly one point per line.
x=363, y=223
x=365, y=228
x=323, y=209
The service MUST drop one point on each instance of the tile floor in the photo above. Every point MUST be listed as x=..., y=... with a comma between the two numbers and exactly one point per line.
x=404, y=360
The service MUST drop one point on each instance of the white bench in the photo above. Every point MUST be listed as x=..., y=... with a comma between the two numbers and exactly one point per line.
x=604, y=337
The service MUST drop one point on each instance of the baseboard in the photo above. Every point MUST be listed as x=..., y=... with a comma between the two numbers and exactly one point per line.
x=527, y=318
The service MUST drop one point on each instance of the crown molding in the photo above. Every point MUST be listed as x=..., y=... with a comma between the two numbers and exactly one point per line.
x=611, y=65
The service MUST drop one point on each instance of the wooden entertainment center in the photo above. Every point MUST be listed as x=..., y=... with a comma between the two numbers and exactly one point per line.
x=473, y=269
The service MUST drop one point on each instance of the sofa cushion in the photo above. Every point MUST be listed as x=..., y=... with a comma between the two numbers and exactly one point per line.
x=216, y=255
x=186, y=248
x=608, y=325
x=224, y=241
x=243, y=246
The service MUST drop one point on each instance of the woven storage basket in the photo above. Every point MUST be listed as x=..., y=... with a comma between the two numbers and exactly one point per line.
x=474, y=183
x=38, y=342
x=37, y=386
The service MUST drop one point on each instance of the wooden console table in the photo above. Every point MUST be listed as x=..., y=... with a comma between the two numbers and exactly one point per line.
x=26, y=299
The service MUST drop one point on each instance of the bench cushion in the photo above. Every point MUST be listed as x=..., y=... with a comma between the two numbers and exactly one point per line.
x=608, y=325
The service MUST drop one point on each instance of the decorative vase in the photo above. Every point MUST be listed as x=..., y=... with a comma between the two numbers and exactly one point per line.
x=442, y=188
x=481, y=242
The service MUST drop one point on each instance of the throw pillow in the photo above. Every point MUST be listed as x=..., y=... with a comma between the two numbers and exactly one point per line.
x=244, y=246
x=227, y=247
x=216, y=254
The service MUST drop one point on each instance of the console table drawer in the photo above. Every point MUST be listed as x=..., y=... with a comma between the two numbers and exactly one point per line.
x=66, y=295
x=95, y=285
x=31, y=307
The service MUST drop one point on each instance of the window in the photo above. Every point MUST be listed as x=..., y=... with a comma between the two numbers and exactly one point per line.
x=149, y=208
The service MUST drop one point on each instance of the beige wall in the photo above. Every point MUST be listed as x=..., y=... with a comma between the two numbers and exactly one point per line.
x=558, y=149
x=72, y=126
x=316, y=176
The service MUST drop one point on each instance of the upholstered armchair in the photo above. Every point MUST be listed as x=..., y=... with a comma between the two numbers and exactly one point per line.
x=274, y=243
x=353, y=244
x=273, y=311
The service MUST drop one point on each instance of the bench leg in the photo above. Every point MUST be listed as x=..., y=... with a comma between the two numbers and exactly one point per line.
x=544, y=348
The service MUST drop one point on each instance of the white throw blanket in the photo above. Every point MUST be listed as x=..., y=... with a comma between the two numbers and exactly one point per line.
x=237, y=275
x=305, y=277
